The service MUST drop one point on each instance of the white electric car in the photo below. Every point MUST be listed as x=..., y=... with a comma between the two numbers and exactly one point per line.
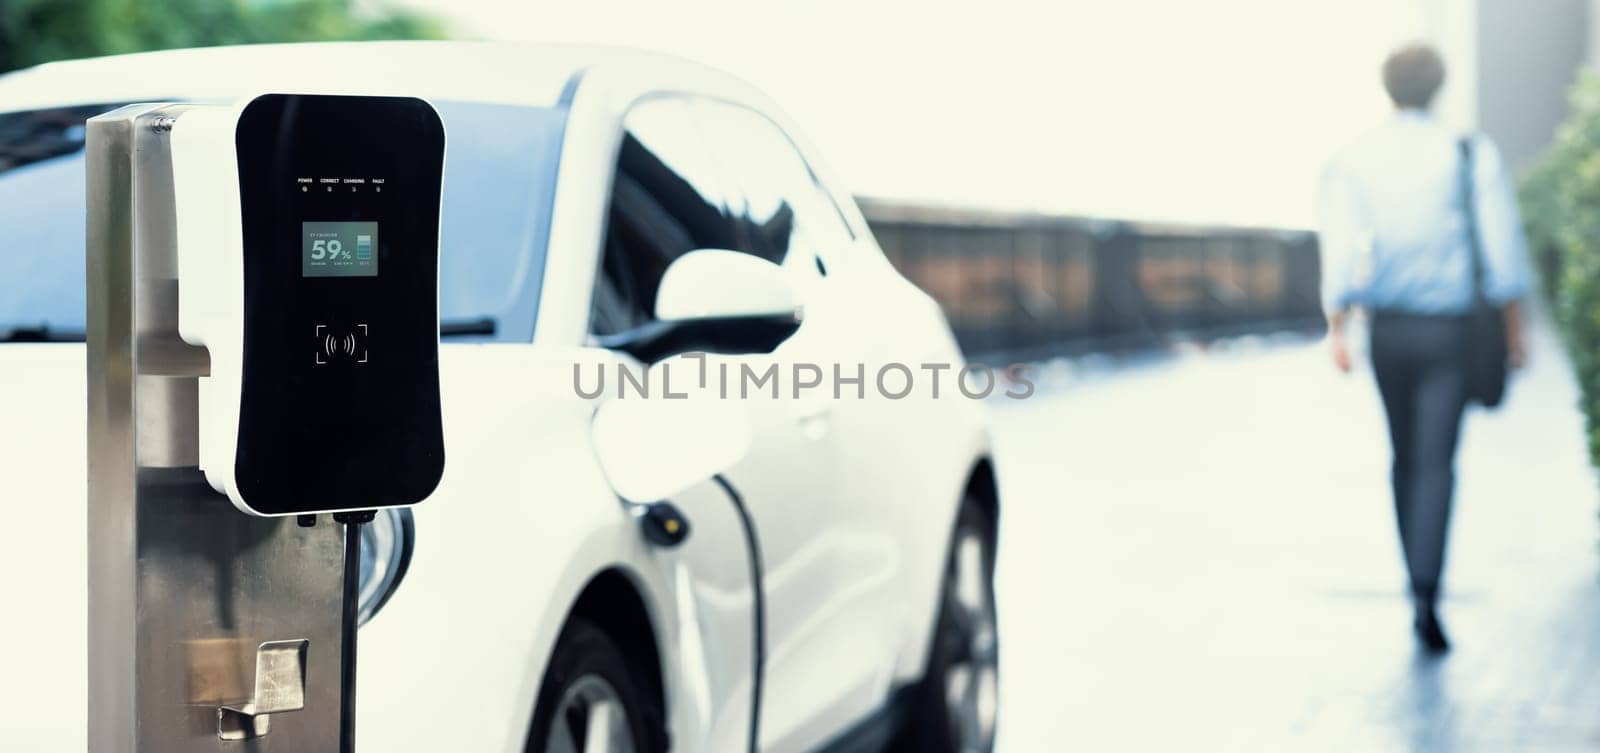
x=817, y=578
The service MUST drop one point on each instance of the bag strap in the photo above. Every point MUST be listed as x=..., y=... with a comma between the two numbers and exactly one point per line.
x=1469, y=211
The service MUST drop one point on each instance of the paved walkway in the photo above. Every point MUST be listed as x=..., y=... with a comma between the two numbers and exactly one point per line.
x=1200, y=555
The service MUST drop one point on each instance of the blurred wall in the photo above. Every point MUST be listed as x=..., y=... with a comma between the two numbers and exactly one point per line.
x=1528, y=53
x=1027, y=285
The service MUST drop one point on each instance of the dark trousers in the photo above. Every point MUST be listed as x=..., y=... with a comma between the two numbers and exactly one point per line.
x=1418, y=360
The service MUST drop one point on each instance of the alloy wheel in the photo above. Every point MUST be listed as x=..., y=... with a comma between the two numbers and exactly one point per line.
x=972, y=680
x=591, y=718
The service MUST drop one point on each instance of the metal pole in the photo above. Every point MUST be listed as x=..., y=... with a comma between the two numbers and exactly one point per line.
x=209, y=630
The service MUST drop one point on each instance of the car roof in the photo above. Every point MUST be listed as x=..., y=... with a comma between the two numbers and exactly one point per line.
x=491, y=72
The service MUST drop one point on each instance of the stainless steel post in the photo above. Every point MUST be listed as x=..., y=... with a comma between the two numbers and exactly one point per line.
x=209, y=630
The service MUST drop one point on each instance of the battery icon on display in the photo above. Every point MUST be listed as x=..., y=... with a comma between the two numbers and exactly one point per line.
x=363, y=248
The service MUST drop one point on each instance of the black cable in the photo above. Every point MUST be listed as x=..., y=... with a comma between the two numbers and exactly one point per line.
x=347, y=625
x=753, y=544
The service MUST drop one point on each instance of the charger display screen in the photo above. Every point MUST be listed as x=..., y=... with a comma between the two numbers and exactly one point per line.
x=339, y=249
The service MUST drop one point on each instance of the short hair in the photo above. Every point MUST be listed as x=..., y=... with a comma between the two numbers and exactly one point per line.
x=1413, y=75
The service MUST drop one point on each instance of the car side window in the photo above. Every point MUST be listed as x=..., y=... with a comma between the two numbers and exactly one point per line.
x=781, y=213
x=666, y=199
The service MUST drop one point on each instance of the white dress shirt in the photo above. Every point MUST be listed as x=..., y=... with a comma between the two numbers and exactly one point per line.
x=1392, y=228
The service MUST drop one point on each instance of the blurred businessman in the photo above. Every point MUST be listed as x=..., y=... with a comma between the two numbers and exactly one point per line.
x=1419, y=228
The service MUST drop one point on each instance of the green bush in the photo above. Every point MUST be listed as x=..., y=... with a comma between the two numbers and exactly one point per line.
x=39, y=31
x=1560, y=200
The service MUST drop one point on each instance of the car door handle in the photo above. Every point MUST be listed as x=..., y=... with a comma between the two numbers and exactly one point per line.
x=813, y=418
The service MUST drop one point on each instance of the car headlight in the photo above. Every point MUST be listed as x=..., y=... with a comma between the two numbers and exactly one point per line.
x=386, y=545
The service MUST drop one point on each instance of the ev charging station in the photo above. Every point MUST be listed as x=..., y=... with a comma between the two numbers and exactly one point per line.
x=263, y=374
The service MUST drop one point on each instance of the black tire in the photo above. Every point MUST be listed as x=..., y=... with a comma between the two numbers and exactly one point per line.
x=964, y=652
x=586, y=684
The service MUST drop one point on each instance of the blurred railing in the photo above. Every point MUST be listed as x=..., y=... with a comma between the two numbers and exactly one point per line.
x=1028, y=285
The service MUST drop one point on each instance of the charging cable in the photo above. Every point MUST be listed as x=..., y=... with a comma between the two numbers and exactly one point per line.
x=759, y=649
x=347, y=624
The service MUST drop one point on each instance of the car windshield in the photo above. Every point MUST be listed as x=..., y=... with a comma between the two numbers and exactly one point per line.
x=499, y=181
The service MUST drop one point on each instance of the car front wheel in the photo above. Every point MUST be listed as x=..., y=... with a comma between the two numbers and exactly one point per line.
x=588, y=702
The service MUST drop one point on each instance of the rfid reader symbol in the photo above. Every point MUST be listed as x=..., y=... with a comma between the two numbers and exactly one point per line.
x=334, y=346
x=350, y=346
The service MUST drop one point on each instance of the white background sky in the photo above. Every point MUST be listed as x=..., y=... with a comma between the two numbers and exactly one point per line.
x=1190, y=110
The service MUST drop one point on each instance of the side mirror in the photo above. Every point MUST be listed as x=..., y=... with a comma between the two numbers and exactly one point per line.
x=712, y=283
x=651, y=449
x=715, y=301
